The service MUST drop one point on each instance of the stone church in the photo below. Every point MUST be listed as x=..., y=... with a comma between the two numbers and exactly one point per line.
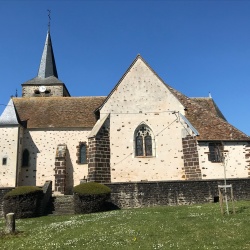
x=144, y=130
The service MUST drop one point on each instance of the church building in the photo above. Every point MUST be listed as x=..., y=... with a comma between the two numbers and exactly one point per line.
x=144, y=130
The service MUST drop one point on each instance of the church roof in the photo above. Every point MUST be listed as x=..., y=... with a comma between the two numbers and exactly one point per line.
x=51, y=80
x=9, y=116
x=47, y=65
x=208, y=103
x=47, y=72
x=57, y=112
x=207, y=121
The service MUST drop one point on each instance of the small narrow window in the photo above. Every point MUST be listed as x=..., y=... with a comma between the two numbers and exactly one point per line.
x=148, y=145
x=4, y=161
x=215, y=152
x=83, y=154
x=26, y=156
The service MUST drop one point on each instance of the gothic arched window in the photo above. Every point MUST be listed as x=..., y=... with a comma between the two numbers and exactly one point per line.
x=143, y=141
x=26, y=157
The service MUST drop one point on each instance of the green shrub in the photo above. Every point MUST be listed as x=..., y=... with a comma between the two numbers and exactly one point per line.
x=90, y=197
x=91, y=188
x=23, y=201
x=23, y=190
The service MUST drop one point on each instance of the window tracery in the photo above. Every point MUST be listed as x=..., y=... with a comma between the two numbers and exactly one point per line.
x=143, y=141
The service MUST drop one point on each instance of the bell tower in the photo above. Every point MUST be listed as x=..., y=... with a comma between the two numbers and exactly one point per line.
x=46, y=83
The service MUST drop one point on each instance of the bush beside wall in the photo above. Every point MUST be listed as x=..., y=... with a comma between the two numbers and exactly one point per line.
x=23, y=201
x=90, y=197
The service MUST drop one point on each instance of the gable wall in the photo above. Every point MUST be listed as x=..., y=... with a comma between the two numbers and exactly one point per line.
x=236, y=165
x=42, y=146
x=142, y=97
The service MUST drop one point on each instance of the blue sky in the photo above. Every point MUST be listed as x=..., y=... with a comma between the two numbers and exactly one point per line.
x=196, y=47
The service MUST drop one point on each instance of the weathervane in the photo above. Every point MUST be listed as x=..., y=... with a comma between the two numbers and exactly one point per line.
x=49, y=11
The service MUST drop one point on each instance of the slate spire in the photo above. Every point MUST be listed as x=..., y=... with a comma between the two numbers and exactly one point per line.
x=47, y=65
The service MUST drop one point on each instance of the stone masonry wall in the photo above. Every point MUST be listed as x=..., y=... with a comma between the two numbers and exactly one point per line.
x=191, y=158
x=55, y=90
x=145, y=194
x=247, y=156
x=99, y=157
x=60, y=169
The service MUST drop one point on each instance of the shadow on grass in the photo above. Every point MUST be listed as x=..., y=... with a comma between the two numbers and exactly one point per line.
x=242, y=209
x=109, y=206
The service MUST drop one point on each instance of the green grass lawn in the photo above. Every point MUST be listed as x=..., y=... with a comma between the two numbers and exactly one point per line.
x=169, y=227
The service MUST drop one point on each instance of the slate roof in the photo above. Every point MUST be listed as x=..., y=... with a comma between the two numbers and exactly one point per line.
x=51, y=80
x=47, y=65
x=8, y=116
x=57, y=112
x=47, y=72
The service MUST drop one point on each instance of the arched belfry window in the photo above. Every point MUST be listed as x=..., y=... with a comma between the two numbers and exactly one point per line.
x=26, y=157
x=143, y=141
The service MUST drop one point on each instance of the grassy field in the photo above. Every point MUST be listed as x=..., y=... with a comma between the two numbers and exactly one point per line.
x=176, y=227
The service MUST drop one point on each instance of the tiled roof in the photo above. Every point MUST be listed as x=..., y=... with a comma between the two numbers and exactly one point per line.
x=209, y=125
x=57, y=112
x=208, y=103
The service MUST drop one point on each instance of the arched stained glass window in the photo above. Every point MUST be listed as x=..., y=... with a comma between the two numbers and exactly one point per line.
x=143, y=141
x=26, y=156
x=148, y=145
x=139, y=145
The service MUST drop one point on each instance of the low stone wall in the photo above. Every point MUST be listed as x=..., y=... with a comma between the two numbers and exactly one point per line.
x=144, y=194
x=3, y=191
x=45, y=202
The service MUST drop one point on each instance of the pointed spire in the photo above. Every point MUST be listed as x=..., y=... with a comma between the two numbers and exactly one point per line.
x=48, y=65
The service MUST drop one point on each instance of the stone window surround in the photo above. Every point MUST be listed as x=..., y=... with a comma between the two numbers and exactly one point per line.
x=152, y=142
x=78, y=153
x=215, y=154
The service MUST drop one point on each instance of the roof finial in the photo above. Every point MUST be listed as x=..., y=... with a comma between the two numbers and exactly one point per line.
x=49, y=11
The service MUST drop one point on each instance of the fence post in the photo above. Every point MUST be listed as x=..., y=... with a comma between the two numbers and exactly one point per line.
x=10, y=223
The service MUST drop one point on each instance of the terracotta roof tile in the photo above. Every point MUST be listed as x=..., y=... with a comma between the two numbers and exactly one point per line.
x=209, y=125
x=57, y=112
x=209, y=104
